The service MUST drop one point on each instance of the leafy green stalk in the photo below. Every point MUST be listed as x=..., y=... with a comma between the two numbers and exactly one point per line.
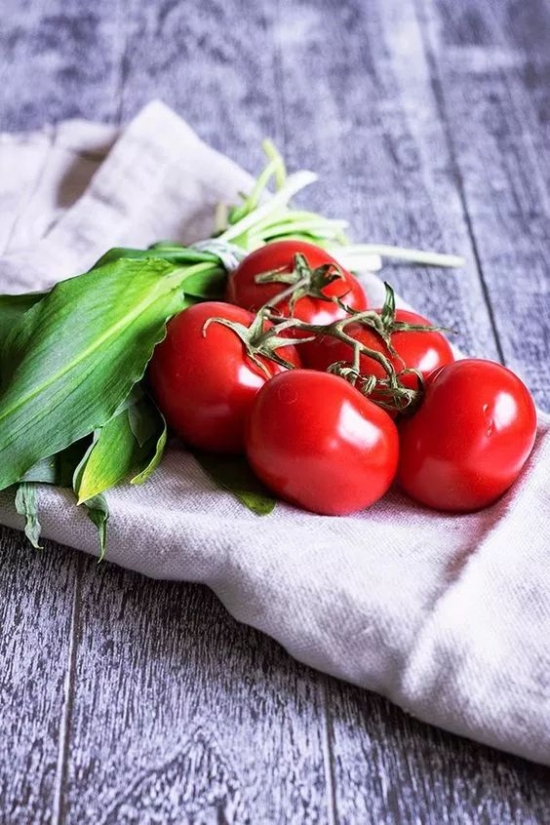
x=74, y=357
x=256, y=222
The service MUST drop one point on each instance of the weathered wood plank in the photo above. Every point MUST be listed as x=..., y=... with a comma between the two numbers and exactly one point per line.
x=370, y=126
x=492, y=73
x=424, y=774
x=60, y=59
x=213, y=66
x=179, y=712
x=36, y=590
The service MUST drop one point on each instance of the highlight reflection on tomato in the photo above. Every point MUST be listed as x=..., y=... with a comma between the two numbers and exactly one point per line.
x=470, y=438
x=316, y=442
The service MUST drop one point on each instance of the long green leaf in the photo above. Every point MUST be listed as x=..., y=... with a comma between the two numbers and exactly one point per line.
x=98, y=513
x=26, y=504
x=74, y=357
x=109, y=459
x=149, y=428
x=143, y=416
x=207, y=286
x=234, y=474
x=175, y=254
x=127, y=444
x=12, y=309
x=153, y=457
x=58, y=469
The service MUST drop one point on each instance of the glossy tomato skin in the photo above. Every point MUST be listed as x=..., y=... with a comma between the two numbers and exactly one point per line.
x=204, y=383
x=244, y=291
x=316, y=442
x=423, y=351
x=470, y=438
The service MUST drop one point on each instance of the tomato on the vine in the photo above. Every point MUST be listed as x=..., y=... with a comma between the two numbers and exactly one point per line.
x=203, y=379
x=316, y=442
x=470, y=438
x=278, y=260
x=422, y=350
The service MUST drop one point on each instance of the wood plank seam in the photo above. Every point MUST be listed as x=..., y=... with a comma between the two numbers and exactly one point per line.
x=328, y=755
x=58, y=806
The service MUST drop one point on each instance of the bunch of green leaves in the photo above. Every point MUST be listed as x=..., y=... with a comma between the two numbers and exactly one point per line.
x=73, y=411
x=74, y=407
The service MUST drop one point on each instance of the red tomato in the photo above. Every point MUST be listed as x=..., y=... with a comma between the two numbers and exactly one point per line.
x=423, y=351
x=318, y=443
x=204, y=381
x=243, y=290
x=470, y=438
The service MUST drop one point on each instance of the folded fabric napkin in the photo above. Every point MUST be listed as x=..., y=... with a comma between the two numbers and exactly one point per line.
x=448, y=616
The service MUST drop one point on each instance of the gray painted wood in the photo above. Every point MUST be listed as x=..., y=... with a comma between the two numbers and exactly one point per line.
x=192, y=714
x=216, y=69
x=60, y=59
x=491, y=72
x=37, y=590
x=370, y=125
x=126, y=700
x=393, y=769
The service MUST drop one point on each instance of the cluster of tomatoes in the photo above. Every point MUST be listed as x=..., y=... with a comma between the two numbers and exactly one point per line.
x=332, y=401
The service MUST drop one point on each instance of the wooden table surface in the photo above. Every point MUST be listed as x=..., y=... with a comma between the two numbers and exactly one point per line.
x=125, y=700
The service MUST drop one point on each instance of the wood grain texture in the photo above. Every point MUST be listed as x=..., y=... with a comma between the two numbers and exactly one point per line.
x=424, y=774
x=60, y=59
x=215, y=68
x=491, y=68
x=131, y=701
x=35, y=619
x=180, y=713
x=370, y=125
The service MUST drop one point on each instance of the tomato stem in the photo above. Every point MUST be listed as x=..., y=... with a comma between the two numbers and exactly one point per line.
x=261, y=343
x=389, y=392
x=303, y=280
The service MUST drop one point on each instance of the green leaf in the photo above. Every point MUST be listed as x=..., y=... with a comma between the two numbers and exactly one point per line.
x=98, y=513
x=12, y=309
x=58, y=469
x=131, y=442
x=157, y=447
x=207, y=286
x=234, y=474
x=26, y=504
x=74, y=357
x=150, y=427
x=143, y=417
x=172, y=253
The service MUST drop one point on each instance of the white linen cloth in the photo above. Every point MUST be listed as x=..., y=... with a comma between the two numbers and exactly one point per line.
x=448, y=616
